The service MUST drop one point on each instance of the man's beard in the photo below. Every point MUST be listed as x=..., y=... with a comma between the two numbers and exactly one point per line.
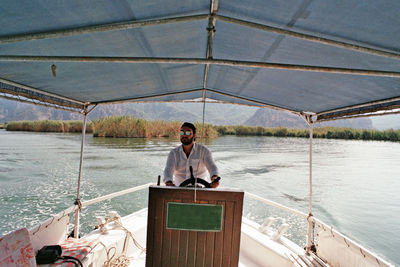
x=187, y=141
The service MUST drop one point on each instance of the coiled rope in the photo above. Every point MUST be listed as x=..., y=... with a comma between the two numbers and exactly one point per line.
x=122, y=260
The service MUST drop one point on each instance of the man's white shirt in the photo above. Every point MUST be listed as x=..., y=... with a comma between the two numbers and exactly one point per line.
x=177, y=167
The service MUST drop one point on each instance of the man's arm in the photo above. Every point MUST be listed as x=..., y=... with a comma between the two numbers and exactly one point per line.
x=169, y=169
x=212, y=168
x=209, y=162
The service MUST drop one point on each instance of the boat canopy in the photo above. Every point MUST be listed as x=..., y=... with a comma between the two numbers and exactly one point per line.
x=328, y=59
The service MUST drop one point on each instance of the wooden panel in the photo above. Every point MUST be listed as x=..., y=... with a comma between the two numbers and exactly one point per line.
x=175, y=240
x=229, y=213
x=191, y=249
x=209, y=250
x=166, y=240
x=218, y=243
x=167, y=247
x=150, y=234
x=237, y=226
x=183, y=247
x=200, y=249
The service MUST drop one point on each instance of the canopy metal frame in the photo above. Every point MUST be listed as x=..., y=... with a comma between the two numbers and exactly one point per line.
x=347, y=44
x=212, y=17
x=201, y=61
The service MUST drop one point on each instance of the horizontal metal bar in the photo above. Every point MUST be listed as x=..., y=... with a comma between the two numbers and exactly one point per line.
x=349, y=46
x=194, y=61
x=280, y=206
x=134, y=99
x=40, y=91
x=263, y=104
x=98, y=28
x=200, y=100
x=360, y=106
x=116, y=194
x=38, y=102
x=366, y=113
x=376, y=114
x=143, y=99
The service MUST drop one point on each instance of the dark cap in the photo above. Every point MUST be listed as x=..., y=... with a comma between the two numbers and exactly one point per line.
x=189, y=125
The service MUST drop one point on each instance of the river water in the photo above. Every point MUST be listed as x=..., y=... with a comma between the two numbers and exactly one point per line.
x=355, y=183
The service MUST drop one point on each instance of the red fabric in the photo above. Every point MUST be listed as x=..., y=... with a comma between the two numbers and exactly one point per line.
x=16, y=249
x=77, y=248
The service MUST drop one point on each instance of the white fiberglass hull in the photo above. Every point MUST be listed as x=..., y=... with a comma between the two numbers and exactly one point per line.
x=125, y=239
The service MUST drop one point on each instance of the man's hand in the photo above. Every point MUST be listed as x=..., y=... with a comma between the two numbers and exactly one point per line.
x=215, y=181
x=169, y=183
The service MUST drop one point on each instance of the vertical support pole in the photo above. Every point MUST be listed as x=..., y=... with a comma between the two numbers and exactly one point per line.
x=202, y=140
x=310, y=230
x=77, y=200
x=211, y=31
x=310, y=170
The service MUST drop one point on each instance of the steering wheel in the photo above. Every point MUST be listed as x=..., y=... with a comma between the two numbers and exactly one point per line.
x=193, y=181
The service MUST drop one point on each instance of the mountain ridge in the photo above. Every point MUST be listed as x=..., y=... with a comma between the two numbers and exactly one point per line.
x=217, y=114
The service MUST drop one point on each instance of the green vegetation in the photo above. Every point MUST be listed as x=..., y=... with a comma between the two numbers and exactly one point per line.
x=47, y=126
x=128, y=126
x=318, y=132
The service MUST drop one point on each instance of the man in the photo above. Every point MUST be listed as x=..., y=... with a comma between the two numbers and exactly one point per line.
x=189, y=154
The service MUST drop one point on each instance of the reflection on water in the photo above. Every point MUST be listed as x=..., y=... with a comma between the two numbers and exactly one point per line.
x=139, y=143
x=355, y=185
x=127, y=143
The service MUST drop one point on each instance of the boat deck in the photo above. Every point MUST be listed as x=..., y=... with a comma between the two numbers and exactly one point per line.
x=256, y=249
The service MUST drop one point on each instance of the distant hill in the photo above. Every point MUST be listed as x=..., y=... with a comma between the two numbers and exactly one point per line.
x=215, y=113
x=218, y=114
x=273, y=118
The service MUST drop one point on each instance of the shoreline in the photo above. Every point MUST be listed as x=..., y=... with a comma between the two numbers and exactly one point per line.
x=132, y=127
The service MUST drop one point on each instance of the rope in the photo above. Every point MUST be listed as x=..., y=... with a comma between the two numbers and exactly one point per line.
x=131, y=235
x=122, y=260
x=78, y=203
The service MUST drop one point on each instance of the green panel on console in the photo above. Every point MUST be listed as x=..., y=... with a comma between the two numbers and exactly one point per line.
x=194, y=217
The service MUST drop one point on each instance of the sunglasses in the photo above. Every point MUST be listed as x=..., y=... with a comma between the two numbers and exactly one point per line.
x=185, y=133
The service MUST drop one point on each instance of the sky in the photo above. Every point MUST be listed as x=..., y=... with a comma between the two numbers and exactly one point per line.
x=386, y=122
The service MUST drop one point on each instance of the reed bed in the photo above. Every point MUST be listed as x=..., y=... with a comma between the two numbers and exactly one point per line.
x=318, y=132
x=47, y=126
x=129, y=127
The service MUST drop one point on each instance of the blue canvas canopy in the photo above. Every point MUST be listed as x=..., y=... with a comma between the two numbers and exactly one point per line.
x=331, y=59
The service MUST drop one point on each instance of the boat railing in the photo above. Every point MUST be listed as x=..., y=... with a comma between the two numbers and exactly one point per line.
x=347, y=242
x=55, y=229
x=333, y=234
x=71, y=209
x=277, y=205
x=116, y=194
x=309, y=218
x=68, y=211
